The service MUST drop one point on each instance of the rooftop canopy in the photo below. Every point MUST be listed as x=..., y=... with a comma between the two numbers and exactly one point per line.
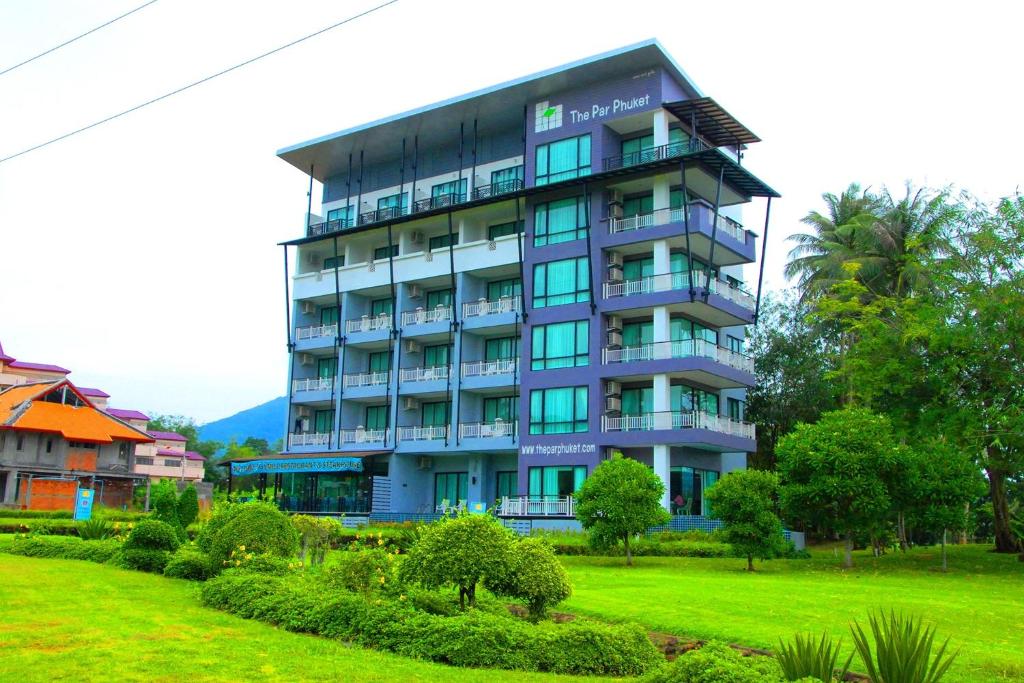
x=714, y=124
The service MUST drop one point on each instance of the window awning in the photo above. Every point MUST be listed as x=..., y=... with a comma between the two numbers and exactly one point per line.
x=714, y=124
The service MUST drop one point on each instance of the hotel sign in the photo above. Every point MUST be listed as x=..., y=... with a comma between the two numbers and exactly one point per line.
x=616, y=106
x=297, y=466
x=572, y=448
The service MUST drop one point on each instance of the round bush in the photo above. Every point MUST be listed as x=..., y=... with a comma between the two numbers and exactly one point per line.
x=718, y=663
x=264, y=563
x=188, y=564
x=223, y=513
x=534, y=575
x=255, y=529
x=152, y=534
x=364, y=571
x=145, y=560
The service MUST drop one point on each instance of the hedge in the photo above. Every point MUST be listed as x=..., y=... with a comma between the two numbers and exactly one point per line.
x=718, y=663
x=61, y=526
x=62, y=547
x=188, y=563
x=649, y=548
x=472, y=639
x=109, y=514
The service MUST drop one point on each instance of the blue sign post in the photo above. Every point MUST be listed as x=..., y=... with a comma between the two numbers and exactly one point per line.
x=83, y=504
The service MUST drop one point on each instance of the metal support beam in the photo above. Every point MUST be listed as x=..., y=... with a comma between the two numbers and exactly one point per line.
x=714, y=233
x=590, y=252
x=394, y=326
x=686, y=228
x=520, y=235
x=764, y=250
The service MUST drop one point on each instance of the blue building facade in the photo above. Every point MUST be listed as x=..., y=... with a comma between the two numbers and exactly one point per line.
x=503, y=289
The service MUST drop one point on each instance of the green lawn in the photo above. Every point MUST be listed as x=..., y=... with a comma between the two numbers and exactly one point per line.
x=979, y=603
x=70, y=620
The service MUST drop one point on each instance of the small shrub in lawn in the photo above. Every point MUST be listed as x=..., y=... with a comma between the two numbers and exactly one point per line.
x=260, y=528
x=363, y=572
x=534, y=575
x=718, y=663
x=807, y=657
x=95, y=529
x=188, y=563
x=164, y=503
x=223, y=512
x=903, y=650
x=316, y=535
x=144, y=559
x=263, y=563
x=152, y=534
x=188, y=506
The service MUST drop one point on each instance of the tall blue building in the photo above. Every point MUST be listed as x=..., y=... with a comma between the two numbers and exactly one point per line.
x=504, y=288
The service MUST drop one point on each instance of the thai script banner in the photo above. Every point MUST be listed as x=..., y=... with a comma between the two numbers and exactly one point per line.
x=304, y=465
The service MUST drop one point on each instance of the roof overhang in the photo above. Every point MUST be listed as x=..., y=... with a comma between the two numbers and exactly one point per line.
x=713, y=123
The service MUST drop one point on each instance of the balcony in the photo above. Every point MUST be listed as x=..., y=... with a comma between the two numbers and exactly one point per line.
x=506, y=304
x=316, y=332
x=685, y=348
x=365, y=379
x=385, y=214
x=313, y=384
x=496, y=189
x=308, y=439
x=654, y=154
x=667, y=282
x=422, y=316
x=423, y=374
x=490, y=368
x=368, y=323
x=438, y=202
x=724, y=225
x=359, y=435
x=423, y=433
x=327, y=227
x=537, y=506
x=693, y=419
x=487, y=430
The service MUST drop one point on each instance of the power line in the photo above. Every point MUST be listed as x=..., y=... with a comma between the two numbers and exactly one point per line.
x=68, y=42
x=199, y=82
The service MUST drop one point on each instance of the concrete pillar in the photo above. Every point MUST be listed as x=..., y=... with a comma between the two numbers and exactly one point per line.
x=662, y=393
x=475, y=490
x=11, y=488
x=662, y=468
x=662, y=257
x=661, y=324
x=660, y=125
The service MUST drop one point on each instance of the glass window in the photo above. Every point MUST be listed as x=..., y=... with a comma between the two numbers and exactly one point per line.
x=686, y=399
x=638, y=205
x=443, y=241
x=436, y=356
x=326, y=367
x=560, y=345
x=638, y=401
x=334, y=262
x=382, y=252
x=436, y=414
x=343, y=214
x=735, y=343
x=393, y=202
x=508, y=484
x=379, y=361
x=501, y=407
x=558, y=411
x=562, y=160
x=329, y=315
x=323, y=421
x=378, y=306
x=446, y=194
x=734, y=408
x=504, y=288
x=686, y=489
x=638, y=268
x=633, y=149
x=556, y=481
x=505, y=179
x=501, y=229
x=502, y=348
x=638, y=334
x=560, y=221
x=376, y=417
x=561, y=282
x=682, y=329
x=439, y=297
x=450, y=486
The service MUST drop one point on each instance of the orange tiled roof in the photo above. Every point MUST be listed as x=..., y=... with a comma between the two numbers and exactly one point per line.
x=16, y=395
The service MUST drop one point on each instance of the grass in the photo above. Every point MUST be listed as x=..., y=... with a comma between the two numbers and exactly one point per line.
x=979, y=603
x=70, y=620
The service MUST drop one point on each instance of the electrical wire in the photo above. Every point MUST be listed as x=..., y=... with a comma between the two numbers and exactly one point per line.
x=199, y=82
x=78, y=37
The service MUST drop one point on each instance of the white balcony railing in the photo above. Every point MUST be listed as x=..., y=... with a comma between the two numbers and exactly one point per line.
x=422, y=315
x=309, y=439
x=316, y=331
x=667, y=282
x=361, y=435
x=488, y=368
x=423, y=374
x=422, y=433
x=487, y=430
x=665, y=216
x=506, y=304
x=685, y=420
x=313, y=384
x=537, y=506
x=365, y=379
x=368, y=323
x=684, y=348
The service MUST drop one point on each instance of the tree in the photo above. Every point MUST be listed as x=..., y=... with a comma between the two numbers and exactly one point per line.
x=188, y=506
x=745, y=501
x=164, y=502
x=835, y=473
x=620, y=499
x=259, y=445
x=187, y=427
x=534, y=575
x=460, y=552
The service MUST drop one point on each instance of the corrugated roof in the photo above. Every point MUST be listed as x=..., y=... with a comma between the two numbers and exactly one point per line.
x=127, y=414
x=166, y=436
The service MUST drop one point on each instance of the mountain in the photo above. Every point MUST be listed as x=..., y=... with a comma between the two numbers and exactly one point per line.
x=265, y=421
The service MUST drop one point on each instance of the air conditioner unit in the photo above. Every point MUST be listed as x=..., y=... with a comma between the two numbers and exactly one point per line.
x=615, y=197
x=613, y=404
x=615, y=275
x=410, y=403
x=416, y=237
x=412, y=346
x=313, y=259
x=425, y=462
x=614, y=259
x=612, y=388
x=308, y=308
x=305, y=359
x=415, y=291
x=303, y=411
x=615, y=323
x=615, y=211
x=614, y=339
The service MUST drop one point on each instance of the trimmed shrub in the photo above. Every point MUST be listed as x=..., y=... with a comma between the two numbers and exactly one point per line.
x=144, y=559
x=255, y=529
x=586, y=647
x=718, y=663
x=533, y=575
x=363, y=572
x=152, y=534
x=188, y=506
x=223, y=512
x=188, y=563
x=163, y=500
x=265, y=563
x=63, y=547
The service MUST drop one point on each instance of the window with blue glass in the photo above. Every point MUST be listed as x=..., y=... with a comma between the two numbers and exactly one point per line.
x=505, y=408
x=450, y=488
x=559, y=221
x=377, y=417
x=379, y=361
x=563, y=160
x=378, y=306
x=383, y=252
x=501, y=348
x=562, y=410
x=561, y=282
x=392, y=205
x=734, y=408
x=329, y=315
x=556, y=481
x=436, y=414
x=334, y=262
x=323, y=421
x=506, y=180
x=560, y=345
x=436, y=355
x=439, y=297
x=638, y=150
x=446, y=194
x=508, y=484
x=501, y=229
x=326, y=368
x=443, y=240
x=509, y=287
x=343, y=215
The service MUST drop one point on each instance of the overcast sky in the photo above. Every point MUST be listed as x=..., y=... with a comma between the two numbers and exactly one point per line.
x=142, y=254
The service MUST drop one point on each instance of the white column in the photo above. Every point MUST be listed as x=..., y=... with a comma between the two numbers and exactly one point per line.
x=660, y=124
x=662, y=469
x=661, y=324
x=662, y=258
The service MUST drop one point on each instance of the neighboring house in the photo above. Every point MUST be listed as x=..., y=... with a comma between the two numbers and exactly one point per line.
x=54, y=440
x=14, y=371
x=98, y=397
x=166, y=458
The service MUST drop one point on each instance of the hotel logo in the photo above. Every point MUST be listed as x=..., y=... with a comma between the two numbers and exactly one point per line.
x=547, y=117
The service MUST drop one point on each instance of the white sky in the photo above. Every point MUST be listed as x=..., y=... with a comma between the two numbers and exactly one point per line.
x=142, y=254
